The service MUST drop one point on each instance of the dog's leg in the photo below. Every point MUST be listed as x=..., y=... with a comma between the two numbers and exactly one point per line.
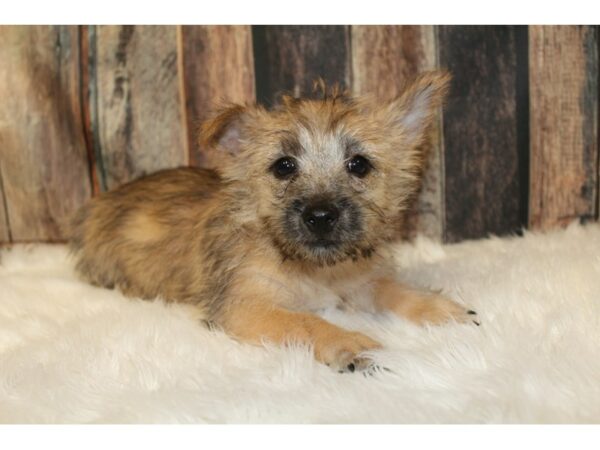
x=256, y=319
x=419, y=306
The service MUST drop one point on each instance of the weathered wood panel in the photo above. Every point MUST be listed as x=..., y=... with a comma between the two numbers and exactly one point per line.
x=87, y=43
x=482, y=158
x=564, y=124
x=43, y=155
x=140, y=111
x=383, y=58
x=520, y=131
x=290, y=58
x=218, y=68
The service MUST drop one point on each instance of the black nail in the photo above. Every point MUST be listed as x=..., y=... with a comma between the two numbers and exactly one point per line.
x=476, y=323
x=351, y=367
x=471, y=312
x=374, y=369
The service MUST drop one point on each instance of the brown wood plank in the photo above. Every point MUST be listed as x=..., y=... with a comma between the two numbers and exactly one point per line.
x=564, y=124
x=484, y=165
x=383, y=58
x=140, y=114
x=290, y=58
x=88, y=101
x=218, y=67
x=43, y=159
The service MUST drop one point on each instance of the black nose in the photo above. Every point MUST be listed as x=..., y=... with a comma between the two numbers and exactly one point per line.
x=320, y=219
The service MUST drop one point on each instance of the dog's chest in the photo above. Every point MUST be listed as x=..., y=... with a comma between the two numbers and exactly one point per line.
x=313, y=295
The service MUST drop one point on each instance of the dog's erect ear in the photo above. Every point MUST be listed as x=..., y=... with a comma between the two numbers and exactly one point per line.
x=223, y=132
x=413, y=111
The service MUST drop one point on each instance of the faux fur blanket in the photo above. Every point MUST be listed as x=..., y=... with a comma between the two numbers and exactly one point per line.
x=70, y=352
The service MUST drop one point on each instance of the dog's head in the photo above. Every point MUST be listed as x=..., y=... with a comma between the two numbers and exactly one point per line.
x=328, y=179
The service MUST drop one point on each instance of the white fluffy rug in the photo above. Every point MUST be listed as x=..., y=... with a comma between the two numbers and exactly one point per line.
x=70, y=352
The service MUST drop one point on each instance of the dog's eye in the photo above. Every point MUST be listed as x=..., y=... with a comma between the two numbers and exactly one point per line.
x=284, y=167
x=359, y=166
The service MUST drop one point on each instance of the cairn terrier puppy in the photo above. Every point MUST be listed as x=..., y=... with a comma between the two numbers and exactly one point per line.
x=299, y=216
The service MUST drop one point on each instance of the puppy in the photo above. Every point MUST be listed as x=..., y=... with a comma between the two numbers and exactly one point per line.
x=299, y=216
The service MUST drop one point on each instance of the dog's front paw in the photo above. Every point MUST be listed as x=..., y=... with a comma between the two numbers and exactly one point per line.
x=420, y=306
x=342, y=351
x=436, y=309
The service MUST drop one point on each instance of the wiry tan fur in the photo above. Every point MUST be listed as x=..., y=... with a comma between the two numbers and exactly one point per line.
x=221, y=242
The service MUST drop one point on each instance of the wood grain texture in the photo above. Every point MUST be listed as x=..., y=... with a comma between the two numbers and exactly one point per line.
x=140, y=118
x=43, y=157
x=290, y=58
x=564, y=124
x=483, y=164
x=218, y=68
x=383, y=59
x=89, y=101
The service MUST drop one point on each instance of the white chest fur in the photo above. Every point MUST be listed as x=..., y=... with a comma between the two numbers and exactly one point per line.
x=311, y=294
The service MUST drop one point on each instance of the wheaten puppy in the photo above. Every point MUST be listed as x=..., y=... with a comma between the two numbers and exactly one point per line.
x=299, y=216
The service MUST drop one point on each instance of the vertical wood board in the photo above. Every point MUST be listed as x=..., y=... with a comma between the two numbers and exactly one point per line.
x=43, y=154
x=483, y=161
x=564, y=124
x=140, y=113
x=218, y=68
x=383, y=59
x=290, y=58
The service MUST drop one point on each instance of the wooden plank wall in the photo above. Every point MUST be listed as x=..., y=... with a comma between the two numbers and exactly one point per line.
x=218, y=68
x=290, y=58
x=564, y=124
x=140, y=114
x=88, y=108
x=482, y=182
x=43, y=159
x=383, y=59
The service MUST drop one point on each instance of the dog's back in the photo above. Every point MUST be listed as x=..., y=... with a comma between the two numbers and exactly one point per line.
x=127, y=237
